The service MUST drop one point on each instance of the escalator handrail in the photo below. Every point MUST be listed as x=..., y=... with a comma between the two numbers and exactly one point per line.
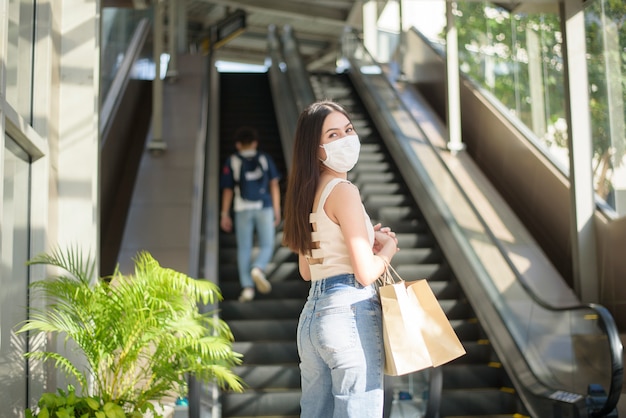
x=120, y=81
x=282, y=95
x=296, y=71
x=607, y=320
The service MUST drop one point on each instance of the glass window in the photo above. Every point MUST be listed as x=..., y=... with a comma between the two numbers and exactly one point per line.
x=518, y=58
x=14, y=278
x=606, y=66
x=19, y=65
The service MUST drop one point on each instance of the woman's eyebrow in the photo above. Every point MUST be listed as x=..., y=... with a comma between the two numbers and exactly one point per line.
x=335, y=129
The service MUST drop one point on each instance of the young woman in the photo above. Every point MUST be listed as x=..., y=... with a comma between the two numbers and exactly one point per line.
x=340, y=340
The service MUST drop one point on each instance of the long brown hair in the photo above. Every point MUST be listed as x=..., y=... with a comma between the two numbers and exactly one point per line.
x=305, y=175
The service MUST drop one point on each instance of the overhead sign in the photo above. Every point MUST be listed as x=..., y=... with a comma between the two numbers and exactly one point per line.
x=228, y=28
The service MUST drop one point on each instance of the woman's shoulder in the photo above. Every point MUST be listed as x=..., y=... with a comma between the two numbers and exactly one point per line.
x=343, y=190
x=332, y=184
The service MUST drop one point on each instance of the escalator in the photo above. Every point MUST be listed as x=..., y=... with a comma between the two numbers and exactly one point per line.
x=524, y=357
x=264, y=329
x=475, y=384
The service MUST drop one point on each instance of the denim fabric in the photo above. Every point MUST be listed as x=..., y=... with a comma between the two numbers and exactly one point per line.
x=340, y=345
x=246, y=223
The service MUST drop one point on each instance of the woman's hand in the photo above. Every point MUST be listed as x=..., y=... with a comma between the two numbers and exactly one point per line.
x=383, y=235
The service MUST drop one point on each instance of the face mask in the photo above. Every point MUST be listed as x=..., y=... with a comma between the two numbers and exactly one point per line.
x=342, y=154
x=248, y=153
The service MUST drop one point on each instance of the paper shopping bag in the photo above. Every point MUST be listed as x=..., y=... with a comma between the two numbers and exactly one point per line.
x=405, y=349
x=442, y=342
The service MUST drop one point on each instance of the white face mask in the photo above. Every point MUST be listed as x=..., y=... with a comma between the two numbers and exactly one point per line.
x=247, y=153
x=342, y=154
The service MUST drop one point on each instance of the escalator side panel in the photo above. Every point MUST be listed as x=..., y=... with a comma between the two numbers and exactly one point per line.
x=119, y=164
x=536, y=191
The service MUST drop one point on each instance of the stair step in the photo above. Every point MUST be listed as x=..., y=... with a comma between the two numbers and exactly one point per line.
x=267, y=352
x=475, y=353
x=464, y=376
x=261, y=308
x=373, y=178
x=261, y=403
x=370, y=165
x=262, y=330
x=270, y=377
x=428, y=255
x=286, y=289
x=477, y=401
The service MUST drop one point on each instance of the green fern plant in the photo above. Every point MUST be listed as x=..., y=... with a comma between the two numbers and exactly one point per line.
x=68, y=404
x=141, y=334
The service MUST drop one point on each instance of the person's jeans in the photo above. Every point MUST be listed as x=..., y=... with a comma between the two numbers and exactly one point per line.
x=340, y=344
x=246, y=223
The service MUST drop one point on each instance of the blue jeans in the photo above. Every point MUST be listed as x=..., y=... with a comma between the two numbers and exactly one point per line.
x=246, y=223
x=340, y=344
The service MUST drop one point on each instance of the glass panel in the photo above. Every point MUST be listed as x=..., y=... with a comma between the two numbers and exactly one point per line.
x=14, y=279
x=118, y=28
x=517, y=58
x=606, y=42
x=19, y=65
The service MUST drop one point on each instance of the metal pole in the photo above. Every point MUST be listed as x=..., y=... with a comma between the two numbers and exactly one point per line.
x=580, y=150
x=172, y=68
x=370, y=27
x=157, y=145
x=455, y=143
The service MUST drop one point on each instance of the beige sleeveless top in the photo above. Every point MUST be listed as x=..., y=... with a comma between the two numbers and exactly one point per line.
x=331, y=257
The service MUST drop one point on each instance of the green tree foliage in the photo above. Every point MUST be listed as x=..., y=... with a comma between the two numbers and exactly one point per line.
x=602, y=17
x=494, y=53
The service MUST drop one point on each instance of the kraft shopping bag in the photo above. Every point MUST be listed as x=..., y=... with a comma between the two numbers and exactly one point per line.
x=416, y=332
x=442, y=342
x=405, y=348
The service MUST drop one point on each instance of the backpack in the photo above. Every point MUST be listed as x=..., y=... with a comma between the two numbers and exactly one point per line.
x=251, y=176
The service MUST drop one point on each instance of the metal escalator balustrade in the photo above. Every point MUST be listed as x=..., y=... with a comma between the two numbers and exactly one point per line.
x=554, y=353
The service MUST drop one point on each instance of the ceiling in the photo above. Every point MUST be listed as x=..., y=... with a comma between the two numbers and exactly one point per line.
x=317, y=24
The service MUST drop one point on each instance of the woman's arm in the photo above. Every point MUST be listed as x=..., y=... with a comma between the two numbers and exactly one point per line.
x=344, y=206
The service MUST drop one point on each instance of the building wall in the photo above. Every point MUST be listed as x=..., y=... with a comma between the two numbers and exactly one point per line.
x=49, y=77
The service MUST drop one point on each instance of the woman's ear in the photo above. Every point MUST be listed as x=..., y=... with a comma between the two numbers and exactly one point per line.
x=321, y=153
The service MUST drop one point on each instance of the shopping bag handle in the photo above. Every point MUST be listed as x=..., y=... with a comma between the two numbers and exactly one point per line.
x=389, y=276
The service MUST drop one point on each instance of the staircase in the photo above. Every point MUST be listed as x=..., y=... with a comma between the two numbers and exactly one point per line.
x=474, y=385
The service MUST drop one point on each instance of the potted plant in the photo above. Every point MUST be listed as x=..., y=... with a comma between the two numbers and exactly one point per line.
x=141, y=334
